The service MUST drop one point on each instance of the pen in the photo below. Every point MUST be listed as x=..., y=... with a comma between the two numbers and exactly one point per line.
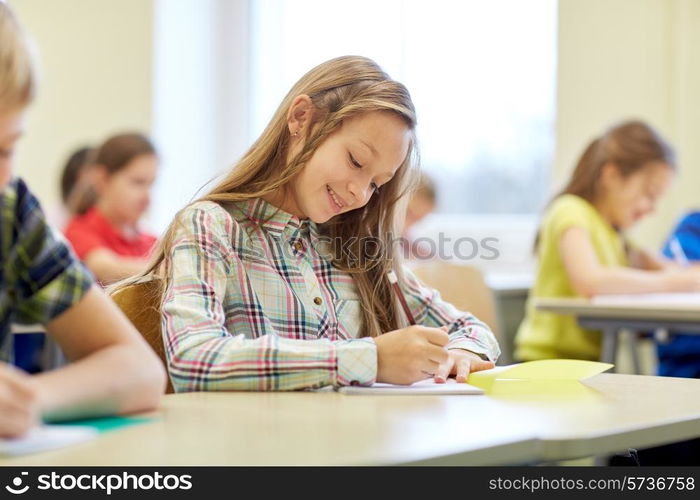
x=677, y=251
x=395, y=285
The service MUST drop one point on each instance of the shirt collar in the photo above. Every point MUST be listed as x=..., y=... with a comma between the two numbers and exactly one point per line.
x=275, y=220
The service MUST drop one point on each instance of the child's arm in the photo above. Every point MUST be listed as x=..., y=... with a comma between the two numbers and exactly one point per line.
x=112, y=371
x=588, y=277
x=219, y=338
x=647, y=261
x=109, y=267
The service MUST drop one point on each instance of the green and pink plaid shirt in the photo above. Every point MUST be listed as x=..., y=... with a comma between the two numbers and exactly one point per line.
x=254, y=305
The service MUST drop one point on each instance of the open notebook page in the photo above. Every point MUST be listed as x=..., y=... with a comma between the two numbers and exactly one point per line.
x=427, y=386
x=46, y=437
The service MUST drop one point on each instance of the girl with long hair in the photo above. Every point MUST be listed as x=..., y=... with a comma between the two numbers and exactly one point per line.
x=277, y=278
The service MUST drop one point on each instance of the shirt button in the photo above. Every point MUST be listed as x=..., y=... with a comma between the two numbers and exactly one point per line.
x=318, y=301
x=299, y=246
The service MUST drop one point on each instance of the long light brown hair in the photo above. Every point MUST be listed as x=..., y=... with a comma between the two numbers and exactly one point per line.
x=339, y=89
x=630, y=146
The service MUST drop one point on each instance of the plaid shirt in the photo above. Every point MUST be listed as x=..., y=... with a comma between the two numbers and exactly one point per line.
x=39, y=277
x=253, y=305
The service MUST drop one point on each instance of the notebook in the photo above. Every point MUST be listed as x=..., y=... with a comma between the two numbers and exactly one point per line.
x=424, y=387
x=46, y=437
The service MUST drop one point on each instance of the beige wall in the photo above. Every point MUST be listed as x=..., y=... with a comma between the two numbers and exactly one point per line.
x=632, y=58
x=96, y=63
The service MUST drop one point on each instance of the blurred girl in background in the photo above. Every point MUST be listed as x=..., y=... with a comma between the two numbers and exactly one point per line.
x=582, y=248
x=107, y=236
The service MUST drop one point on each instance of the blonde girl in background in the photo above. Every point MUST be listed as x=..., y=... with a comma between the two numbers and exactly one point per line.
x=112, y=370
x=105, y=231
x=581, y=246
x=267, y=282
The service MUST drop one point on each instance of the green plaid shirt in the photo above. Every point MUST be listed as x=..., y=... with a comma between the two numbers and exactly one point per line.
x=40, y=276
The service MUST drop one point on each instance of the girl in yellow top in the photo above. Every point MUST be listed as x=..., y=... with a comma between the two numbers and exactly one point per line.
x=581, y=246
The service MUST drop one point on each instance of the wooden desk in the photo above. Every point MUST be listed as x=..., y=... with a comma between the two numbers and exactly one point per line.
x=612, y=413
x=613, y=318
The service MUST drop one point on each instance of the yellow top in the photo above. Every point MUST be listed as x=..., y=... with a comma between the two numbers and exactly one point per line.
x=545, y=335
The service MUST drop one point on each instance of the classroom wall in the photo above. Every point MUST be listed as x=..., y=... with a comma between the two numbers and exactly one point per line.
x=96, y=65
x=632, y=58
x=616, y=59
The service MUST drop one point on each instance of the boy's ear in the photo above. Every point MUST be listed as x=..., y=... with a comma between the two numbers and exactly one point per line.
x=300, y=115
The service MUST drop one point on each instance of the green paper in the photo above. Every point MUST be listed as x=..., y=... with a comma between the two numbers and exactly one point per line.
x=107, y=424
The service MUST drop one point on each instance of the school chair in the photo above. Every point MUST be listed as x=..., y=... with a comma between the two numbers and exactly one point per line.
x=140, y=304
x=465, y=288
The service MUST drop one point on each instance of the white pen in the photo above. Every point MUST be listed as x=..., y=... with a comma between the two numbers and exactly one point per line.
x=677, y=251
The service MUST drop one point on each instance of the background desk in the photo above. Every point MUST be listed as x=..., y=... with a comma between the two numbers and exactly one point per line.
x=613, y=413
x=510, y=291
x=611, y=319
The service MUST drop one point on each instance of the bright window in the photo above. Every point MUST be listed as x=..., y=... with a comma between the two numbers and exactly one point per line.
x=481, y=73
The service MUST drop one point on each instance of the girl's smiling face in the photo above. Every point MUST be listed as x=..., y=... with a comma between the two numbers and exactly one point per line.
x=348, y=167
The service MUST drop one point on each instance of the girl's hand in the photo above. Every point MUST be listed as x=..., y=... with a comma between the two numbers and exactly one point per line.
x=461, y=363
x=19, y=402
x=410, y=354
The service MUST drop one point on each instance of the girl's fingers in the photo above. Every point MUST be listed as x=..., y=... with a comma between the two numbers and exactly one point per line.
x=463, y=366
x=444, y=370
x=16, y=381
x=13, y=420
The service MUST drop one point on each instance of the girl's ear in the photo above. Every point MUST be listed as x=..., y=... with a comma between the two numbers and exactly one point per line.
x=99, y=177
x=610, y=176
x=300, y=114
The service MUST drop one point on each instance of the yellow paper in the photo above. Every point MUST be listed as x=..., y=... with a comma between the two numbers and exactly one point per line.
x=537, y=377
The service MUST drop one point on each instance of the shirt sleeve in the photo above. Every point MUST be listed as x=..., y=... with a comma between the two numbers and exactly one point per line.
x=250, y=355
x=566, y=212
x=688, y=235
x=465, y=330
x=47, y=277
